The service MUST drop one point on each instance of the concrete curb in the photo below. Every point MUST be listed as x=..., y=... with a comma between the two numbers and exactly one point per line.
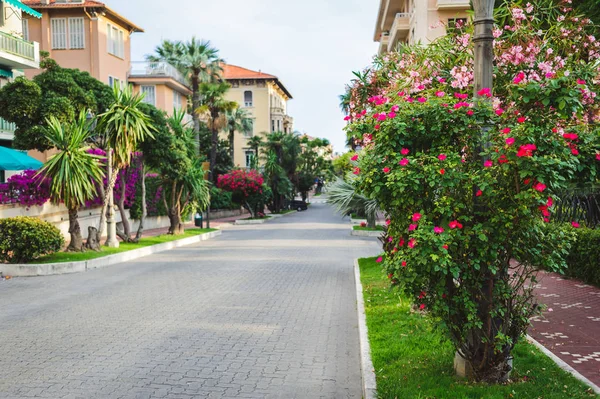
x=366, y=233
x=563, y=365
x=242, y=222
x=369, y=382
x=358, y=221
x=49, y=269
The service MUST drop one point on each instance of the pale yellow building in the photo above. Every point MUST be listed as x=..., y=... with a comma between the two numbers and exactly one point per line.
x=265, y=98
x=416, y=21
x=17, y=54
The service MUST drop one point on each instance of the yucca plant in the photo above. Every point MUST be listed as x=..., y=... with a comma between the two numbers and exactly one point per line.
x=72, y=170
x=346, y=200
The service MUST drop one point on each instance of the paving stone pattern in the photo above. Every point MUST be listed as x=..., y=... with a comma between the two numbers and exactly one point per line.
x=263, y=311
x=570, y=327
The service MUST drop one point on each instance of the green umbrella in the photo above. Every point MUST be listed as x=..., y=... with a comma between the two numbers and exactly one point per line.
x=15, y=160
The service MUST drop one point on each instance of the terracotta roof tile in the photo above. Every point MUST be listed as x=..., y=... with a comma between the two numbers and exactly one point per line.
x=237, y=72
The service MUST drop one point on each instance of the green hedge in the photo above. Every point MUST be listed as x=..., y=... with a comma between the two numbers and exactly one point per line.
x=23, y=239
x=583, y=260
x=154, y=202
x=221, y=199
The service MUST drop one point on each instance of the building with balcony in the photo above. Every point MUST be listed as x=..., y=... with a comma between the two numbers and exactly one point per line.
x=17, y=54
x=163, y=85
x=416, y=21
x=83, y=34
x=265, y=98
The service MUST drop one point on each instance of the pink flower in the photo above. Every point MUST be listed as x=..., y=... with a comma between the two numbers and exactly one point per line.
x=598, y=156
x=574, y=151
x=455, y=224
x=354, y=157
x=519, y=78
x=401, y=94
x=438, y=230
x=470, y=112
x=510, y=141
x=575, y=224
x=395, y=108
x=388, y=222
x=356, y=171
x=499, y=111
x=441, y=80
x=549, y=202
x=377, y=126
x=404, y=151
x=391, y=114
x=440, y=94
x=381, y=117
x=539, y=187
x=347, y=118
x=386, y=170
x=571, y=136
x=488, y=164
x=410, y=99
x=390, y=239
x=416, y=217
x=403, y=162
x=401, y=242
x=506, y=130
x=379, y=260
x=526, y=150
x=521, y=119
x=485, y=92
x=461, y=96
x=479, y=193
x=421, y=100
x=442, y=157
x=412, y=242
x=412, y=227
x=580, y=81
x=421, y=87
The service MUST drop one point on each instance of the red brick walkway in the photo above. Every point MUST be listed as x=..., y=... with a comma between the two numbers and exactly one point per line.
x=570, y=327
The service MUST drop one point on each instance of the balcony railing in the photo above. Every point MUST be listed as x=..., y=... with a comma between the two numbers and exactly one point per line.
x=156, y=69
x=277, y=110
x=7, y=126
x=17, y=46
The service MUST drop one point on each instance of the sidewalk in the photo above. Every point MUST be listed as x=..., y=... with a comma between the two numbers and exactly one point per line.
x=570, y=327
x=214, y=223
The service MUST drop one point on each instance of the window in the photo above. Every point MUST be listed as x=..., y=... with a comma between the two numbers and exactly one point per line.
x=249, y=158
x=250, y=131
x=272, y=125
x=76, y=33
x=114, y=82
x=278, y=126
x=115, y=41
x=150, y=94
x=59, y=33
x=248, y=98
x=25, y=29
x=176, y=101
x=66, y=36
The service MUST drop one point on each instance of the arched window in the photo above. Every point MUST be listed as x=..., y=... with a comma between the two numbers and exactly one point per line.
x=248, y=98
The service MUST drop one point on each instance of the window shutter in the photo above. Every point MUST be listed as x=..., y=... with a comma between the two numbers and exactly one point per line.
x=76, y=33
x=25, y=29
x=59, y=33
x=121, y=44
x=150, y=94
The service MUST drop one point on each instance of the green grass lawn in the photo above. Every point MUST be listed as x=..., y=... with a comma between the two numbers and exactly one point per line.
x=412, y=358
x=123, y=247
x=377, y=228
x=285, y=212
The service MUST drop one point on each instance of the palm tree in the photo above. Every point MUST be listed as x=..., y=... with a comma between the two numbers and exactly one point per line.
x=124, y=126
x=72, y=170
x=238, y=120
x=346, y=199
x=214, y=108
x=255, y=142
x=197, y=60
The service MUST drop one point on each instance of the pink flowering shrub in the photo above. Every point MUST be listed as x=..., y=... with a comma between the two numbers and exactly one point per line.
x=247, y=188
x=25, y=189
x=464, y=202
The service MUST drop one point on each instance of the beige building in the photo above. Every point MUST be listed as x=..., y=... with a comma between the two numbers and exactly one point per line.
x=163, y=85
x=83, y=34
x=17, y=54
x=265, y=98
x=416, y=21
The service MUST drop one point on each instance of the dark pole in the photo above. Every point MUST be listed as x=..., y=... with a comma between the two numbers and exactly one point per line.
x=484, y=44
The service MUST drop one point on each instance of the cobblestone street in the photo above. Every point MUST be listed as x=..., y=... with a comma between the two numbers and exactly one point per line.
x=265, y=311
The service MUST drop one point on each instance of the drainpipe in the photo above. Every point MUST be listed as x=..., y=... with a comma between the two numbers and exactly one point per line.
x=91, y=42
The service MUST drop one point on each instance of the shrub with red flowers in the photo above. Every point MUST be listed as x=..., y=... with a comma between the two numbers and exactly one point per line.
x=25, y=188
x=468, y=184
x=247, y=188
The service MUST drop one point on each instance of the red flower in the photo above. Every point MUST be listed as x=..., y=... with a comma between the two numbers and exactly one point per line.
x=521, y=119
x=580, y=81
x=575, y=224
x=412, y=242
x=388, y=222
x=455, y=224
x=488, y=164
x=539, y=187
x=598, y=157
x=549, y=202
x=355, y=157
x=416, y=217
x=499, y=111
x=479, y=193
x=401, y=94
x=506, y=130
x=421, y=100
x=356, y=171
x=401, y=242
x=379, y=260
x=470, y=112
x=386, y=170
x=403, y=263
x=403, y=162
x=438, y=230
x=574, y=151
x=519, y=78
x=510, y=141
x=526, y=150
x=461, y=96
x=404, y=151
x=422, y=306
x=422, y=295
x=412, y=227
x=485, y=92
x=442, y=171
x=526, y=181
x=445, y=246
x=571, y=136
x=502, y=159
x=391, y=275
x=377, y=126
x=442, y=157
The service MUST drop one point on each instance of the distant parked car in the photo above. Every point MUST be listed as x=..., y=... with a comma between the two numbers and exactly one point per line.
x=298, y=205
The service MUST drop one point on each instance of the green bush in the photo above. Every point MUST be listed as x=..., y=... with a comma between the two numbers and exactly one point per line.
x=23, y=239
x=221, y=199
x=154, y=201
x=583, y=260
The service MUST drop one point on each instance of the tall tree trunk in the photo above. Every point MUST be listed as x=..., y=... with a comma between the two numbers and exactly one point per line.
x=112, y=180
x=214, y=142
x=76, y=244
x=125, y=234
x=231, y=143
x=140, y=229
x=195, y=106
x=176, y=226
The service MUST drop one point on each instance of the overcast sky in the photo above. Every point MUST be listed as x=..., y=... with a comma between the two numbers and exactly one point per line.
x=311, y=45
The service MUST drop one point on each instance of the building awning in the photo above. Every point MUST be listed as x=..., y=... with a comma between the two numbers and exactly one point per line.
x=5, y=73
x=23, y=7
x=16, y=160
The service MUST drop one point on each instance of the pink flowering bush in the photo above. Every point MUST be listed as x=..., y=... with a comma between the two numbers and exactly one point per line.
x=25, y=189
x=247, y=187
x=468, y=184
